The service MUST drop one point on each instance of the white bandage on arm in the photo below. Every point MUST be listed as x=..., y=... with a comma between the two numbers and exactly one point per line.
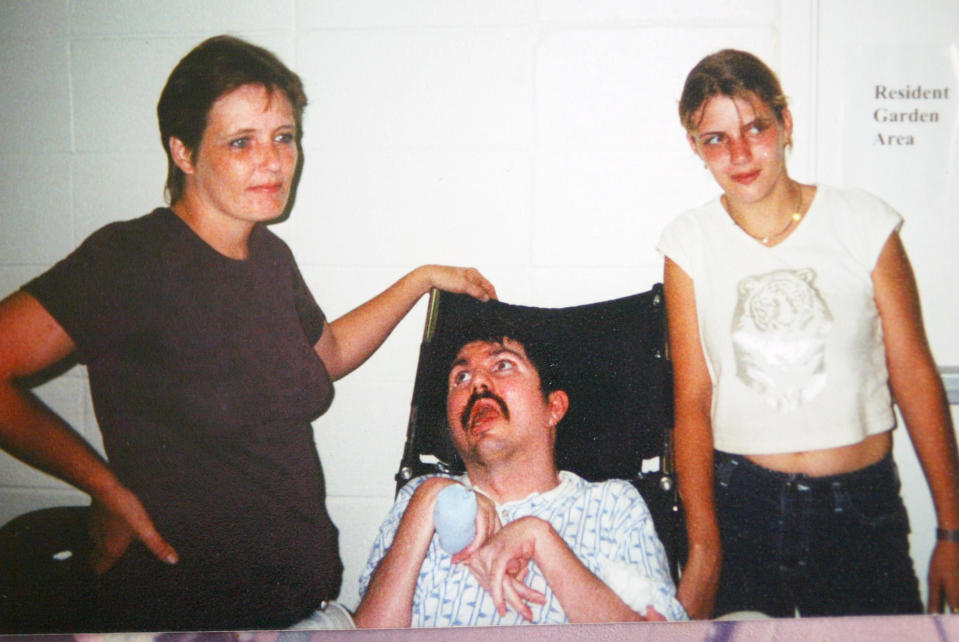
x=632, y=586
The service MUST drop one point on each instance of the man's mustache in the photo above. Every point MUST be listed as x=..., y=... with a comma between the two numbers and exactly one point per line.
x=476, y=396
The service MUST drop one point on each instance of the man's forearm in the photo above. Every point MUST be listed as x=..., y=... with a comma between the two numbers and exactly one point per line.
x=388, y=602
x=583, y=596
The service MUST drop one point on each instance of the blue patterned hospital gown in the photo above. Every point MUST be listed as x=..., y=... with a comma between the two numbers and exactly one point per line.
x=607, y=525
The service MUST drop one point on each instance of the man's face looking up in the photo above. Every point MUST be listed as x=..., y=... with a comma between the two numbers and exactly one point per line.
x=495, y=404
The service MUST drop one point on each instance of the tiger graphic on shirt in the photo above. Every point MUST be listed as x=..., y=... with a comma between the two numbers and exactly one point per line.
x=779, y=331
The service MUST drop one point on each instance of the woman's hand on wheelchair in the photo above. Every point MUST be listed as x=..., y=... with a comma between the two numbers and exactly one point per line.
x=463, y=280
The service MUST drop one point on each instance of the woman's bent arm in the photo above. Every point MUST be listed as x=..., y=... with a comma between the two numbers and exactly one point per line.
x=31, y=341
x=350, y=340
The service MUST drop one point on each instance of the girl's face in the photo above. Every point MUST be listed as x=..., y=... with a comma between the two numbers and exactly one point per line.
x=743, y=145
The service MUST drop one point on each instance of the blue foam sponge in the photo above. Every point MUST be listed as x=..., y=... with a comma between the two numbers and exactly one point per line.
x=455, y=517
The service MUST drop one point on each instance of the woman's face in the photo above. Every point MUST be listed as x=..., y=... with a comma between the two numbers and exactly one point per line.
x=743, y=145
x=243, y=169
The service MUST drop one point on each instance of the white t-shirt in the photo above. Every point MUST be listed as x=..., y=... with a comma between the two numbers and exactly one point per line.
x=791, y=334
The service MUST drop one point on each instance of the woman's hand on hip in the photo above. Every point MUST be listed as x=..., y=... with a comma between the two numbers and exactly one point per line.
x=115, y=520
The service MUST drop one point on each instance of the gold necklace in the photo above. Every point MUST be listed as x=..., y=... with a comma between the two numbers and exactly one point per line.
x=793, y=219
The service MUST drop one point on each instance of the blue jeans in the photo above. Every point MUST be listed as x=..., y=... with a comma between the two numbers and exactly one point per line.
x=835, y=545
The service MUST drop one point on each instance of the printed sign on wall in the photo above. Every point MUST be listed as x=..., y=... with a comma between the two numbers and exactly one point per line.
x=900, y=114
x=902, y=122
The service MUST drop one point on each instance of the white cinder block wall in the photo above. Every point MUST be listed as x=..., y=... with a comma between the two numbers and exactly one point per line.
x=535, y=139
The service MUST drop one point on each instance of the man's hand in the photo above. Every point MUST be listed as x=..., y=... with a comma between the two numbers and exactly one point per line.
x=512, y=588
x=944, y=577
x=487, y=524
x=115, y=520
x=652, y=615
x=502, y=563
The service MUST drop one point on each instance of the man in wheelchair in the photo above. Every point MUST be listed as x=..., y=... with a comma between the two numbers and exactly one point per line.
x=549, y=548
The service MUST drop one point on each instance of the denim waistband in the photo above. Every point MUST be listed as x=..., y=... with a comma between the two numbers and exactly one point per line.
x=881, y=473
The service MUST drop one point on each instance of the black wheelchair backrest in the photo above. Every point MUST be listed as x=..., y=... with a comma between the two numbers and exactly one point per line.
x=612, y=360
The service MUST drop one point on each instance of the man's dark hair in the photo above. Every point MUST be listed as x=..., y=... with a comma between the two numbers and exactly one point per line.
x=535, y=342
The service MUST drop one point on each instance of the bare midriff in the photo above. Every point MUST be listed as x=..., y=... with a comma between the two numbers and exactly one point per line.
x=829, y=461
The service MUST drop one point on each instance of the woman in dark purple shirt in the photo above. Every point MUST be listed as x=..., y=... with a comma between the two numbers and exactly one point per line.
x=208, y=358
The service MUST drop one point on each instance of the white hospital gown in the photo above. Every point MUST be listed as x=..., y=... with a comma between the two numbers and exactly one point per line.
x=607, y=525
